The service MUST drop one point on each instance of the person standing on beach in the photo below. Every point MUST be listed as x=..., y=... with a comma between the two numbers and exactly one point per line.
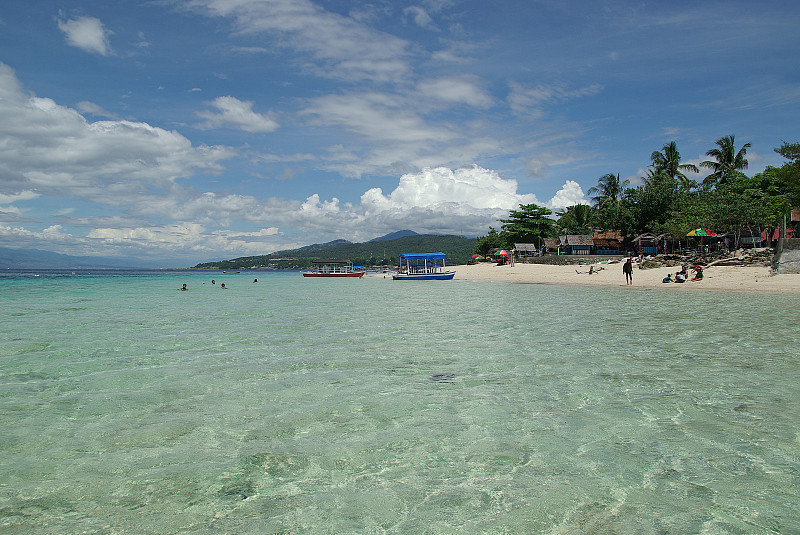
x=627, y=269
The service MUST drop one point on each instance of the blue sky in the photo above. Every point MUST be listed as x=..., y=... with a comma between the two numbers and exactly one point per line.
x=184, y=131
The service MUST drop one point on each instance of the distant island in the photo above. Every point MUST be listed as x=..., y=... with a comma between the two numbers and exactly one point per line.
x=11, y=258
x=383, y=251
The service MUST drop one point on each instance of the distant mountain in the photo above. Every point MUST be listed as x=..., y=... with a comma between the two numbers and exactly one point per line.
x=37, y=259
x=395, y=235
x=372, y=253
x=313, y=248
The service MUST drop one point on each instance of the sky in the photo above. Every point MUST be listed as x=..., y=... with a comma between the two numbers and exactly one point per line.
x=184, y=131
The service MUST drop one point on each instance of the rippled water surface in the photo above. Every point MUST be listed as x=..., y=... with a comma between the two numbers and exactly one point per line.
x=311, y=406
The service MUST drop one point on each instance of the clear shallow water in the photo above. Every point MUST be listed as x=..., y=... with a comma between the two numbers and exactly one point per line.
x=375, y=406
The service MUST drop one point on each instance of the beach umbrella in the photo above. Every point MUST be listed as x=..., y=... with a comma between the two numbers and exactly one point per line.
x=701, y=232
x=501, y=252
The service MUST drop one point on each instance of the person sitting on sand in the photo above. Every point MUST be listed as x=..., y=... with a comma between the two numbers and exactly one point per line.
x=668, y=278
x=698, y=273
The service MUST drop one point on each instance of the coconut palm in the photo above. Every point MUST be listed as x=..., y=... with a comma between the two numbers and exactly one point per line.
x=576, y=219
x=669, y=161
x=608, y=190
x=728, y=162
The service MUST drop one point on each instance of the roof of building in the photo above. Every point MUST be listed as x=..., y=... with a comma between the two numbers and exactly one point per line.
x=579, y=239
x=607, y=243
x=525, y=247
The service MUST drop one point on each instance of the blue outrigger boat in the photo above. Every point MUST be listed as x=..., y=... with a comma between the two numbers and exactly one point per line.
x=422, y=267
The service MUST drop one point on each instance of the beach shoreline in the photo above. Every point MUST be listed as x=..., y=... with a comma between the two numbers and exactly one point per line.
x=754, y=279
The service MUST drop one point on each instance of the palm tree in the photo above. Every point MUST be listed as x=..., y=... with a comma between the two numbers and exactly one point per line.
x=576, y=219
x=669, y=162
x=728, y=161
x=608, y=190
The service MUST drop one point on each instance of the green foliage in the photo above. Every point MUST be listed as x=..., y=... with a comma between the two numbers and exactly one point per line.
x=789, y=175
x=577, y=219
x=529, y=224
x=668, y=161
x=493, y=240
x=608, y=191
x=727, y=162
x=377, y=253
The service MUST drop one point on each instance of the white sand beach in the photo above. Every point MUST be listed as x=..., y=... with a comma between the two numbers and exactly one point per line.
x=719, y=278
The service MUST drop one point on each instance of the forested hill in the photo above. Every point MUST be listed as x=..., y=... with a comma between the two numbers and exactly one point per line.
x=374, y=253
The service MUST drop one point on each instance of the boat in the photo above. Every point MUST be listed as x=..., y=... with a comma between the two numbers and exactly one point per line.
x=422, y=267
x=334, y=268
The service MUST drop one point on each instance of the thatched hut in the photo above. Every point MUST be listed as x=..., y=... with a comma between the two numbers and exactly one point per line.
x=525, y=250
x=579, y=244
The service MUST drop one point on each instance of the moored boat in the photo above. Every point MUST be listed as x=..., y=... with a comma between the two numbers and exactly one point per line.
x=422, y=267
x=334, y=268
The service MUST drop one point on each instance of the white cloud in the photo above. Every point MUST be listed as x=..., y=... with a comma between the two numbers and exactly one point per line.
x=420, y=17
x=570, y=194
x=21, y=196
x=53, y=149
x=94, y=109
x=457, y=90
x=338, y=46
x=529, y=101
x=88, y=34
x=235, y=113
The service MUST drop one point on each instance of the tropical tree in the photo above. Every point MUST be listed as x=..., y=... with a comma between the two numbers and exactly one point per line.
x=727, y=163
x=493, y=240
x=576, y=219
x=609, y=190
x=669, y=161
x=651, y=204
x=529, y=224
x=789, y=174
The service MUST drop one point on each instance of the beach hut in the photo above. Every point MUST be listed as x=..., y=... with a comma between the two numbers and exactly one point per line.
x=551, y=245
x=525, y=250
x=646, y=243
x=579, y=244
x=607, y=246
x=750, y=238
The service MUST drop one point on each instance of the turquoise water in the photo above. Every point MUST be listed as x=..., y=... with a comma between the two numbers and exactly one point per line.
x=311, y=406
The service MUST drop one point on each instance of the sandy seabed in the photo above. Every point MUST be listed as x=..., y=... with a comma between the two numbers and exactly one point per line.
x=720, y=278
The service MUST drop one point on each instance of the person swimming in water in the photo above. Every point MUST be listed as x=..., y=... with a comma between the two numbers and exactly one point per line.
x=184, y=287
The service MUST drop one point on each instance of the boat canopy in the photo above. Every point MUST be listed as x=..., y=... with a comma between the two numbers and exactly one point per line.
x=421, y=256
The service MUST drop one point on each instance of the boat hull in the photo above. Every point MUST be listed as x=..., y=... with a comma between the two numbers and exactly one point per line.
x=447, y=275
x=356, y=274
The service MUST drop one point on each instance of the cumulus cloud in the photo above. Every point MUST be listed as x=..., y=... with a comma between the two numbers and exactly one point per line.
x=569, y=195
x=93, y=109
x=53, y=149
x=88, y=34
x=235, y=113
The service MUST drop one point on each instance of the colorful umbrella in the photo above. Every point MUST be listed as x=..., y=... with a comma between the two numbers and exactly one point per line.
x=701, y=232
x=501, y=252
